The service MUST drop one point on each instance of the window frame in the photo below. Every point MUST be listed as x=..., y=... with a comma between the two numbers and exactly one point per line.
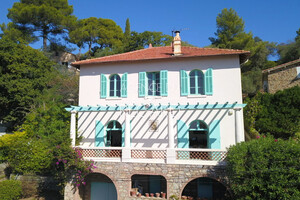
x=115, y=89
x=156, y=85
x=197, y=87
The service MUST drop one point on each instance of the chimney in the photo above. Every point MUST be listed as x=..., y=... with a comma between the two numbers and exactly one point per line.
x=150, y=46
x=177, y=44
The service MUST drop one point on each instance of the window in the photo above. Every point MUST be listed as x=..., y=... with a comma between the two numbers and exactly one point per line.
x=146, y=184
x=113, y=134
x=196, y=82
x=153, y=83
x=115, y=86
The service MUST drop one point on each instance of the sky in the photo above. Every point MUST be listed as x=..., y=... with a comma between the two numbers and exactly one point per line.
x=271, y=20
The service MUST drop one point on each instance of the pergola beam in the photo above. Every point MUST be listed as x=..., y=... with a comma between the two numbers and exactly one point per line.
x=145, y=107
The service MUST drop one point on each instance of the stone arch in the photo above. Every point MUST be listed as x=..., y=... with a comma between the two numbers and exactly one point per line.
x=97, y=177
x=219, y=189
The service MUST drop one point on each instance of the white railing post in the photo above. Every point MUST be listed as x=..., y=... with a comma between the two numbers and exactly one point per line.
x=126, y=152
x=73, y=128
x=238, y=126
x=171, y=154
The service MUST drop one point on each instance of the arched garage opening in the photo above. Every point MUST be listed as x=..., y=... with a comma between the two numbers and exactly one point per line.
x=205, y=188
x=101, y=187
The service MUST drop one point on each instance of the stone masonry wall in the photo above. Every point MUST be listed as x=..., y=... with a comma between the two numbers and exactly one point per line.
x=284, y=79
x=177, y=177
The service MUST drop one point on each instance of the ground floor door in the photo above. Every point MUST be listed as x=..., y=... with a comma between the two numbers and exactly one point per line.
x=103, y=191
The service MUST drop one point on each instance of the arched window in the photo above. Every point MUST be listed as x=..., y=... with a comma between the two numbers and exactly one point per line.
x=115, y=86
x=196, y=82
x=198, y=134
x=114, y=134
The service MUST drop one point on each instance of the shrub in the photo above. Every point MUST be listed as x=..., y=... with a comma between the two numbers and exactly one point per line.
x=265, y=169
x=276, y=114
x=10, y=190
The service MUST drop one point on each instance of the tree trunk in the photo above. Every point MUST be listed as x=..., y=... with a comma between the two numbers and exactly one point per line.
x=44, y=42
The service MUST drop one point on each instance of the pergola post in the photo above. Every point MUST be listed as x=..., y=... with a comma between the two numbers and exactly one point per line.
x=126, y=152
x=171, y=154
x=73, y=128
x=238, y=125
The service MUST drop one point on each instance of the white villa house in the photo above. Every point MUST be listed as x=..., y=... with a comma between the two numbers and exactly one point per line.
x=158, y=121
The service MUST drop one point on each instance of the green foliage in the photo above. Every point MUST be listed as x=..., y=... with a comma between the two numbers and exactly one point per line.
x=92, y=31
x=10, y=190
x=291, y=51
x=265, y=169
x=29, y=156
x=6, y=141
x=231, y=34
x=277, y=114
x=69, y=165
x=140, y=40
x=24, y=73
x=46, y=18
x=251, y=81
x=16, y=34
x=127, y=30
x=229, y=26
x=111, y=35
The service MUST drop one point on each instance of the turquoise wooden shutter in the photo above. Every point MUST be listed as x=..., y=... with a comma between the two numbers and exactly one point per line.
x=164, y=83
x=103, y=87
x=184, y=83
x=99, y=139
x=124, y=85
x=142, y=84
x=123, y=135
x=182, y=135
x=208, y=82
x=214, y=140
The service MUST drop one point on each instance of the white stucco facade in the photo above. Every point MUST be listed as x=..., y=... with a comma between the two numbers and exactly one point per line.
x=226, y=90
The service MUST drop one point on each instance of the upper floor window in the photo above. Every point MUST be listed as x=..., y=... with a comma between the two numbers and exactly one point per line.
x=196, y=82
x=153, y=83
x=115, y=86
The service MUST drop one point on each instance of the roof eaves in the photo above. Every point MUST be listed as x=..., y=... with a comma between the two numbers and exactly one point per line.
x=162, y=58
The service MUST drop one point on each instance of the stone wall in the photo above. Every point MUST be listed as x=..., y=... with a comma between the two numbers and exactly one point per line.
x=280, y=80
x=177, y=177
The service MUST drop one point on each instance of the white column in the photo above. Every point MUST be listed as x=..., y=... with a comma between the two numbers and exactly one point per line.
x=73, y=127
x=127, y=129
x=126, y=151
x=171, y=154
x=239, y=137
x=170, y=129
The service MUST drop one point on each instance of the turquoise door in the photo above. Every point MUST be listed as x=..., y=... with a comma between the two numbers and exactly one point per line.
x=103, y=191
x=205, y=189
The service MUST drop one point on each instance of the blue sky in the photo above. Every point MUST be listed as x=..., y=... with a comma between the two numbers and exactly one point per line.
x=271, y=20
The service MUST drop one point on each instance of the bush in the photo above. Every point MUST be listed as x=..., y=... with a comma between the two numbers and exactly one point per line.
x=265, y=169
x=10, y=190
x=276, y=114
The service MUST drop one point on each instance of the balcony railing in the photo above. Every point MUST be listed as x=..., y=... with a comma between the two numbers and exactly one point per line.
x=182, y=156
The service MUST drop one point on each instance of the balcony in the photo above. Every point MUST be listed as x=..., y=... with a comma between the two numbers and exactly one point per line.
x=152, y=155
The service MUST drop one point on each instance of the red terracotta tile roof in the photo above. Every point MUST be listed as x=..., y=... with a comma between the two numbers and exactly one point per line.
x=282, y=66
x=155, y=53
